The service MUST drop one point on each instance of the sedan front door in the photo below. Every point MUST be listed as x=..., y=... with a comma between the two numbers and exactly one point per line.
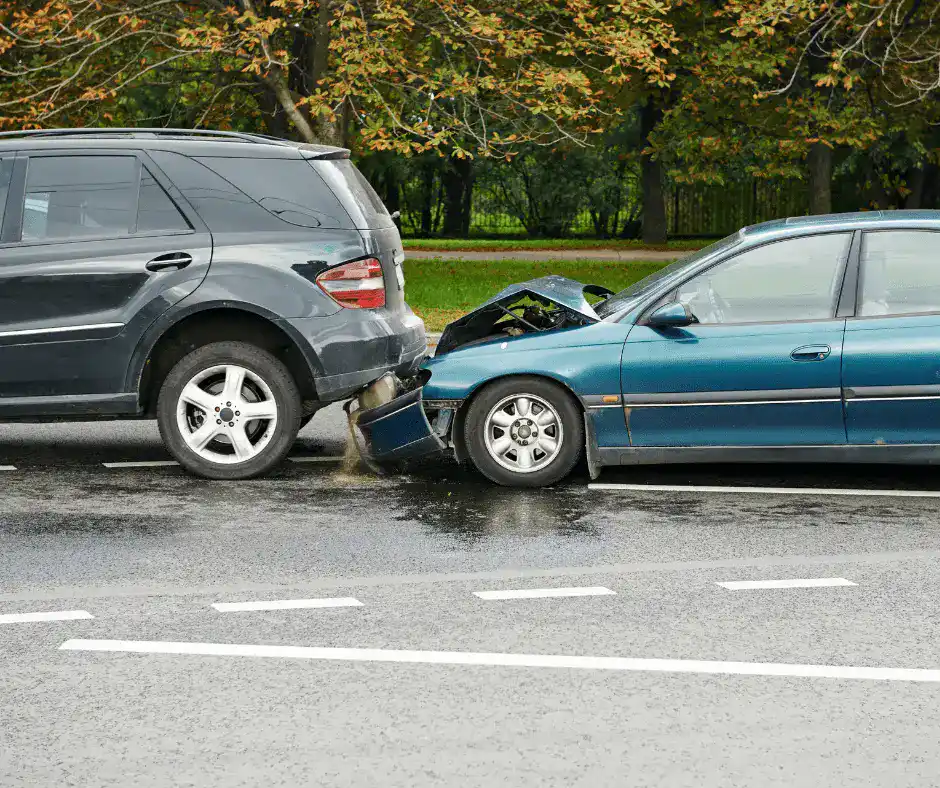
x=761, y=367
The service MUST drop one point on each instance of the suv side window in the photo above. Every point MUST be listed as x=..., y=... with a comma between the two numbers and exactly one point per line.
x=80, y=196
x=793, y=279
x=156, y=212
x=290, y=189
x=900, y=273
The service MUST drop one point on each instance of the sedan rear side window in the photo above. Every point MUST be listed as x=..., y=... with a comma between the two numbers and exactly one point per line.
x=900, y=273
x=70, y=197
x=794, y=279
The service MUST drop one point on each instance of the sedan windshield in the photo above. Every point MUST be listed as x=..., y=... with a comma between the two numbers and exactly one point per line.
x=636, y=291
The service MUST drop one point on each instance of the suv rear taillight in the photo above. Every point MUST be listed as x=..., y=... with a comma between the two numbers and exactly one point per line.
x=356, y=285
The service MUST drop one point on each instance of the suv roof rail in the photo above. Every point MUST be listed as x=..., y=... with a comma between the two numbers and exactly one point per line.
x=155, y=132
x=309, y=150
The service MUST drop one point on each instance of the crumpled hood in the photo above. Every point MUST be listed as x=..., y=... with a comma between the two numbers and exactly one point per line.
x=559, y=290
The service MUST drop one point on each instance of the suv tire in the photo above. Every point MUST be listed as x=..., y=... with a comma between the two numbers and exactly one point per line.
x=524, y=432
x=200, y=411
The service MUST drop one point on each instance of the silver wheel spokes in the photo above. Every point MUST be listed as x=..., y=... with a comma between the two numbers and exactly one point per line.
x=523, y=433
x=226, y=414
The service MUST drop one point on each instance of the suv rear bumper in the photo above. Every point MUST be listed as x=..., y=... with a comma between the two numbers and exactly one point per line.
x=354, y=347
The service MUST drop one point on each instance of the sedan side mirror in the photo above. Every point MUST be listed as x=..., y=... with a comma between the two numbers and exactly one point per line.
x=671, y=315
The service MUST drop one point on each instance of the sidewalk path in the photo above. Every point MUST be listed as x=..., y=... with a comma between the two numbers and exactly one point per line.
x=610, y=255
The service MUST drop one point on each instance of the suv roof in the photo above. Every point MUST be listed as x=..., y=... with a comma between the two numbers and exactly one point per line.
x=207, y=141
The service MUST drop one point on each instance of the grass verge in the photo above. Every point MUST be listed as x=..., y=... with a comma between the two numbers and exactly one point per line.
x=441, y=291
x=505, y=245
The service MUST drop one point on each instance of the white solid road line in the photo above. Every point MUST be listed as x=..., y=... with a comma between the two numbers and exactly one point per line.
x=285, y=604
x=174, y=463
x=765, y=490
x=142, y=464
x=816, y=582
x=52, y=615
x=507, y=660
x=538, y=593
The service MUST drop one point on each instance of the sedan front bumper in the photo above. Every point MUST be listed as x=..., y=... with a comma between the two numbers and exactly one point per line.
x=400, y=429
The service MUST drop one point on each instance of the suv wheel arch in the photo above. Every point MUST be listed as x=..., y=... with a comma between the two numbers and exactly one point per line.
x=188, y=332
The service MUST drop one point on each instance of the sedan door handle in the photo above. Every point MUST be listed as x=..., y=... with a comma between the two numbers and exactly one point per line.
x=172, y=261
x=811, y=353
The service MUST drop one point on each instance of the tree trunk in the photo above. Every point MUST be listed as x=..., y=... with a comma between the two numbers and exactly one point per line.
x=427, y=199
x=457, y=187
x=275, y=122
x=931, y=186
x=819, y=166
x=654, y=200
x=914, y=178
x=278, y=83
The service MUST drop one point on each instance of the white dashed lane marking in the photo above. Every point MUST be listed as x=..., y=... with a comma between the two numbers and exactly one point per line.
x=770, y=669
x=285, y=604
x=816, y=491
x=539, y=593
x=7, y=467
x=315, y=459
x=142, y=464
x=52, y=615
x=816, y=582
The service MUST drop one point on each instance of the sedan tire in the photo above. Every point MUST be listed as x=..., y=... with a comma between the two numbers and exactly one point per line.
x=524, y=432
x=229, y=410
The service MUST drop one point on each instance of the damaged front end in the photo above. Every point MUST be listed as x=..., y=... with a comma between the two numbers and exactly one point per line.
x=550, y=303
x=401, y=420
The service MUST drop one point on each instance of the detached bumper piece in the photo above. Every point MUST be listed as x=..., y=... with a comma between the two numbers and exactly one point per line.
x=400, y=430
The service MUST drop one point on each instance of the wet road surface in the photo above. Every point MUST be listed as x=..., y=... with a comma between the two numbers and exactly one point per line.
x=414, y=679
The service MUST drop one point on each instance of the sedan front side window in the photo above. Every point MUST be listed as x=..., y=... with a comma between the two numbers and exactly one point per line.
x=794, y=279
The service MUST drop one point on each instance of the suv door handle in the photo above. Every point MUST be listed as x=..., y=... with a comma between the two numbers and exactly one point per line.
x=172, y=261
x=811, y=353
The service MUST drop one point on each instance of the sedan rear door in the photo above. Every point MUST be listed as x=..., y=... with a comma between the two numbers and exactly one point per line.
x=891, y=370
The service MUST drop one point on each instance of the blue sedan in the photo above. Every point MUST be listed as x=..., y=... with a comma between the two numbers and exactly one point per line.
x=812, y=339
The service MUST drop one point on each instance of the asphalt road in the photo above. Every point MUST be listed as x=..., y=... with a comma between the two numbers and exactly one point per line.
x=416, y=681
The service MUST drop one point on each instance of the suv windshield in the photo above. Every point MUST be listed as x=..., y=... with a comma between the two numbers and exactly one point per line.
x=636, y=291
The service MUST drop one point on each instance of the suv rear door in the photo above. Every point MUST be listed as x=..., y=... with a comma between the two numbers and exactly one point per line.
x=94, y=249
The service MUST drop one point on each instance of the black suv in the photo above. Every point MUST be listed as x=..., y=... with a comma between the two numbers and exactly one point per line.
x=226, y=284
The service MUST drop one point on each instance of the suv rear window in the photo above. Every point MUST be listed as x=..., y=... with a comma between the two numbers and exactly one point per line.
x=364, y=205
x=288, y=188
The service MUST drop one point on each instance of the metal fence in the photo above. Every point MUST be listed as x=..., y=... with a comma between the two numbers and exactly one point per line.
x=691, y=210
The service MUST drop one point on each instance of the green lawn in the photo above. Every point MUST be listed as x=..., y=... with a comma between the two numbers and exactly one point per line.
x=440, y=291
x=483, y=245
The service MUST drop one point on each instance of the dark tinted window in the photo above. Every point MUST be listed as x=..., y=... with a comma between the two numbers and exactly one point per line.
x=900, y=273
x=223, y=207
x=287, y=188
x=355, y=192
x=6, y=170
x=795, y=279
x=155, y=210
x=80, y=197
